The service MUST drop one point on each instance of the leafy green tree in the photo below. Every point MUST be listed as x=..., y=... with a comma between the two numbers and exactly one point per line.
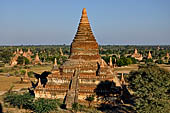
x=134, y=61
x=42, y=105
x=128, y=61
x=148, y=60
x=90, y=99
x=123, y=61
x=151, y=87
x=20, y=100
x=5, y=56
x=21, y=60
x=159, y=61
x=106, y=59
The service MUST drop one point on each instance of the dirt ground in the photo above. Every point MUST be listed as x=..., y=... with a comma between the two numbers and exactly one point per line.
x=7, y=82
x=127, y=69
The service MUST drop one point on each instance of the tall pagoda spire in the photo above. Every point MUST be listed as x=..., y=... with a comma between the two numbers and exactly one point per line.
x=84, y=45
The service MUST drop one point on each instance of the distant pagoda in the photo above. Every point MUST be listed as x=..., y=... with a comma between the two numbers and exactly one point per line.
x=149, y=55
x=18, y=53
x=80, y=74
x=37, y=59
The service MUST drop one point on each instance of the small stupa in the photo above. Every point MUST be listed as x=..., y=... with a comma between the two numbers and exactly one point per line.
x=37, y=60
x=21, y=52
x=26, y=77
x=167, y=55
x=149, y=55
x=110, y=63
x=122, y=81
x=61, y=52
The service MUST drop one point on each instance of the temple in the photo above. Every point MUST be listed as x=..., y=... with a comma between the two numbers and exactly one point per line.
x=80, y=74
x=136, y=55
x=18, y=53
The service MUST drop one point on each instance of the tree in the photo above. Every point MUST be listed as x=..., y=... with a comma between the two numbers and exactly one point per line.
x=159, y=61
x=106, y=59
x=110, y=97
x=90, y=99
x=42, y=105
x=21, y=60
x=148, y=60
x=123, y=61
x=19, y=100
x=5, y=56
x=151, y=87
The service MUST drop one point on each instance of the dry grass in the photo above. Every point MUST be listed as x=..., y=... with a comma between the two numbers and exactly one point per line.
x=126, y=69
x=7, y=82
x=164, y=66
x=39, y=69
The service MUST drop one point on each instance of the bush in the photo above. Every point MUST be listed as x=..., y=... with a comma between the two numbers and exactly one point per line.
x=90, y=99
x=22, y=72
x=31, y=74
x=1, y=70
x=75, y=106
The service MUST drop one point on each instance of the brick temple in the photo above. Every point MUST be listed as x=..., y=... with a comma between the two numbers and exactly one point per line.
x=81, y=72
x=136, y=55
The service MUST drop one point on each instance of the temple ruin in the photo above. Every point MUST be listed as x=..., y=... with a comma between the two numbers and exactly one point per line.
x=136, y=55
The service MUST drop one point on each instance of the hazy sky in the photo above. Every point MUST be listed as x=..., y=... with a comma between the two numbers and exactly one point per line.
x=112, y=21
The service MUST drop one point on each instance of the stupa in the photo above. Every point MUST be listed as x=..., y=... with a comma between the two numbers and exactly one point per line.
x=37, y=60
x=20, y=53
x=61, y=52
x=110, y=63
x=26, y=77
x=80, y=74
x=149, y=55
x=167, y=55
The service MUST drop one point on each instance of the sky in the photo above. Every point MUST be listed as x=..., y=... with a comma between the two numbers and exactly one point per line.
x=114, y=22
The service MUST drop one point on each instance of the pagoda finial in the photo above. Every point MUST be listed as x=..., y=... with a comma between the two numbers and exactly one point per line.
x=122, y=80
x=84, y=12
x=136, y=51
x=55, y=62
x=84, y=18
